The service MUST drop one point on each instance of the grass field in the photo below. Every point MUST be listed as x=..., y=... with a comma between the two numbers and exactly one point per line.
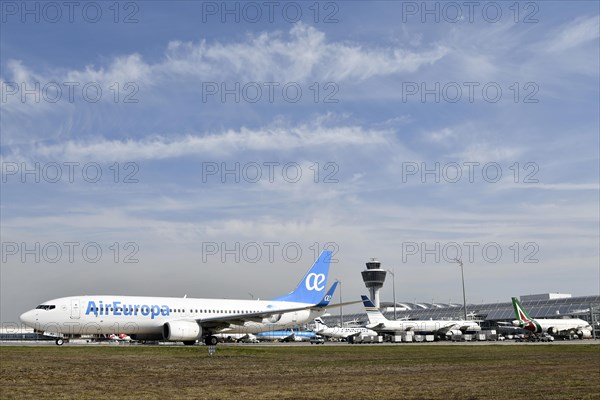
x=307, y=372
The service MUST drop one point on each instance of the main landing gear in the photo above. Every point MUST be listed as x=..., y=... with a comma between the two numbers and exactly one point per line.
x=211, y=340
x=211, y=343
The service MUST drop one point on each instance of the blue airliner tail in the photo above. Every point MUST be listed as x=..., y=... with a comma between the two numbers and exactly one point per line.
x=311, y=289
x=328, y=296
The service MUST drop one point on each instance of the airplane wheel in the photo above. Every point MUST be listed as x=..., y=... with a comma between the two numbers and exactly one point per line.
x=59, y=342
x=211, y=341
x=189, y=342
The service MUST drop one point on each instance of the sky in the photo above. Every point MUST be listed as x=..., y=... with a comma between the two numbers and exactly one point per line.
x=213, y=149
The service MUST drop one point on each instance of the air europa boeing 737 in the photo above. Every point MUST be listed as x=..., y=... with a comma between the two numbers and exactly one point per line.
x=183, y=319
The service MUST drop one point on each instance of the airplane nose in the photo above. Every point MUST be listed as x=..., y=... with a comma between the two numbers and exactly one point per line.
x=28, y=318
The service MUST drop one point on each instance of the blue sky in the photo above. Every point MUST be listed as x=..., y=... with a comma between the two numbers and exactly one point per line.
x=365, y=134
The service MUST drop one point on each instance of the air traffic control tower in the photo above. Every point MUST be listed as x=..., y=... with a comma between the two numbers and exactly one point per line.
x=374, y=277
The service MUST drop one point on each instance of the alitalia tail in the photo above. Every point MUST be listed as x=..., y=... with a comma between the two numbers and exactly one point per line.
x=552, y=326
x=183, y=319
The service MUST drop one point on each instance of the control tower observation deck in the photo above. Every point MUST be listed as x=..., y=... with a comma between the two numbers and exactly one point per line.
x=374, y=277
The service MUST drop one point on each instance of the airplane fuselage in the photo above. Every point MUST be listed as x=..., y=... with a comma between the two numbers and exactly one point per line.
x=147, y=315
x=342, y=333
x=554, y=325
x=425, y=326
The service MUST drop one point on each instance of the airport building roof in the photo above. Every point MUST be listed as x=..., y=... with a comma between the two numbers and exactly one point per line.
x=543, y=308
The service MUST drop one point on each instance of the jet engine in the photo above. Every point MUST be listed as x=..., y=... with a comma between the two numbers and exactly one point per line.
x=584, y=334
x=181, y=331
x=273, y=319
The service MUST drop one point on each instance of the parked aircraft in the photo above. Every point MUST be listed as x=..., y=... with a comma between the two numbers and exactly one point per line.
x=378, y=322
x=183, y=319
x=340, y=333
x=553, y=326
x=286, y=335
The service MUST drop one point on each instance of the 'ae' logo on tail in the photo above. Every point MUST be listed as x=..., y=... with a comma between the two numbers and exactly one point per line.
x=315, y=281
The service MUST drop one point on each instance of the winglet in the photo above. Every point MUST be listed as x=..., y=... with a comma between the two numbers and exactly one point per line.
x=328, y=296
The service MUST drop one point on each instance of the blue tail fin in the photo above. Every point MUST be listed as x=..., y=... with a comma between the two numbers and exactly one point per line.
x=311, y=289
x=373, y=313
x=328, y=296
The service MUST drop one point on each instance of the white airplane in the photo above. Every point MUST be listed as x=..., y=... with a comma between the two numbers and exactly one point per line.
x=553, y=326
x=237, y=337
x=380, y=323
x=341, y=333
x=183, y=319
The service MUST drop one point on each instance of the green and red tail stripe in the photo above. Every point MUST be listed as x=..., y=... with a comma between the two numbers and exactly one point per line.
x=525, y=321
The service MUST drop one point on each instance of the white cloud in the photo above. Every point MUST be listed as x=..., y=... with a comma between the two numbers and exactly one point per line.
x=307, y=54
x=277, y=137
x=439, y=136
x=576, y=33
x=304, y=55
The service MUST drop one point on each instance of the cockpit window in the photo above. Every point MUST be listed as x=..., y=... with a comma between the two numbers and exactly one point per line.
x=45, y=307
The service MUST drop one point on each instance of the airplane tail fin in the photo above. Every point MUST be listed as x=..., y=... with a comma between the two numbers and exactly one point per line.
x=520, y=312
x=375, y=316
x=319, y=325
x=311, y=289
x=523, y=319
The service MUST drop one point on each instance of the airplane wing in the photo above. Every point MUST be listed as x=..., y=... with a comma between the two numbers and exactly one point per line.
x=289, y=338
x=346, y=303
x=240, y=319
x=443, y=330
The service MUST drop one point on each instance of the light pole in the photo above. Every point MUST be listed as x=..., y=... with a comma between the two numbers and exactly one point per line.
x=462, y=274
x=393, y=290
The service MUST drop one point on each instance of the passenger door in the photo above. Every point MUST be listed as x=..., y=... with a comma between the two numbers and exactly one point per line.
x=75, y=310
